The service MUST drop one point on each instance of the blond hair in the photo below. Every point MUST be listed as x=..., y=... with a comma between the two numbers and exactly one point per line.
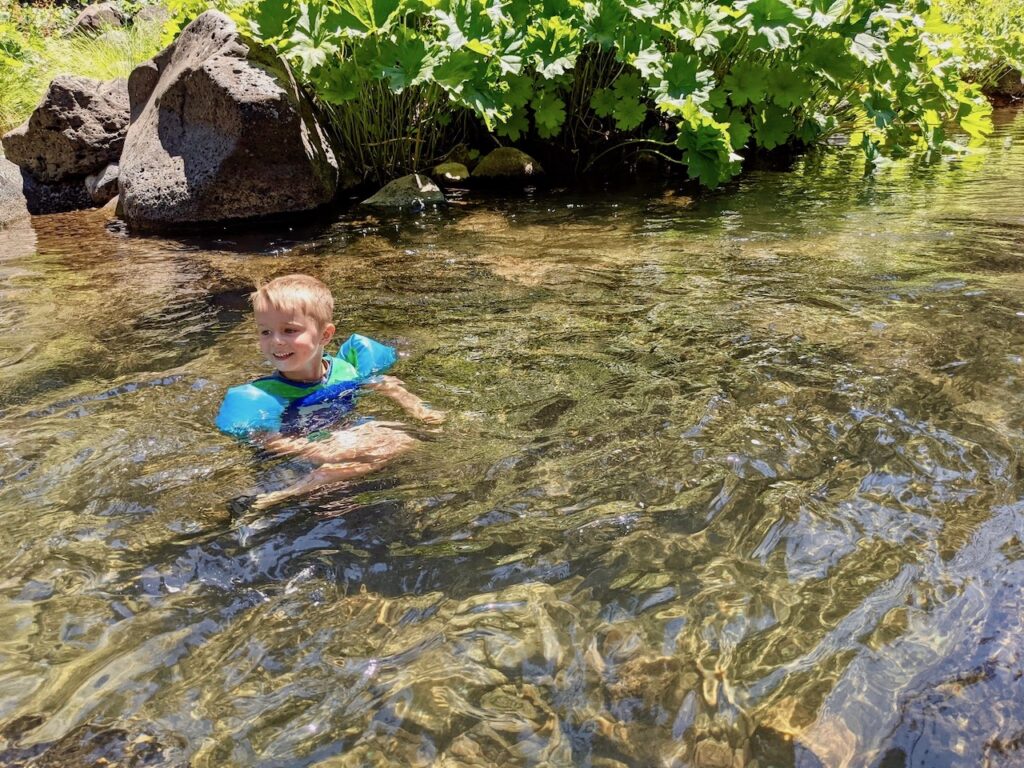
x=296, y=293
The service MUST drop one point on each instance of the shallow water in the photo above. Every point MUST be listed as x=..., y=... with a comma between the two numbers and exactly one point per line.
x=724, y=481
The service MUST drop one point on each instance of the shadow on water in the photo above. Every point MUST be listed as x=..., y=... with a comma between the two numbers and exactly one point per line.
x=725, y=480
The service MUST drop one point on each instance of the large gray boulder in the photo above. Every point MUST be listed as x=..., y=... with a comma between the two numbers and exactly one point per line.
x=12, y=199
x=220, y=131
x=78, y=129
x=98, y=17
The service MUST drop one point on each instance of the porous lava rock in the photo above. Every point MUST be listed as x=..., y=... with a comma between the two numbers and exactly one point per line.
x=220, y=131
x=508, y=164
x=78, y=129
x=414, y=191
x=12, y=199
x=97, y=17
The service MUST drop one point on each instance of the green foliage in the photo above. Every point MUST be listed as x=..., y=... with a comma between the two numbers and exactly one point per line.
x=990, y=34
x=716, y=81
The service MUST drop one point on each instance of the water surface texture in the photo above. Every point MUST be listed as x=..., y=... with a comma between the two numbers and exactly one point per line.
x=725, y=482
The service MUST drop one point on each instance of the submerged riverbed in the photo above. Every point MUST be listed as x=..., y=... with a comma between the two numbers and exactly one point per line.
x=723, y=481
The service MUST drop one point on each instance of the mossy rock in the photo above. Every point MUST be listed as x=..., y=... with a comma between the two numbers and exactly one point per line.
x=508, y=163
x=412, y=191
x=449, y=173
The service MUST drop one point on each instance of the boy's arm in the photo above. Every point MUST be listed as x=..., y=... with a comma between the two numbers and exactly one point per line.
x=410, y=403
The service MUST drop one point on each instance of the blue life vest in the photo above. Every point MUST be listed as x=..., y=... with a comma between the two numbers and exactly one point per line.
x=272, y=403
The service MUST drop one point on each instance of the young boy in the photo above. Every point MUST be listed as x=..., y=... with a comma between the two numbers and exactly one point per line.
x=289, y=412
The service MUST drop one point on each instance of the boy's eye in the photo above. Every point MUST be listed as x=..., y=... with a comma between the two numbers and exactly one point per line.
x=291, y=330
x=264, y=332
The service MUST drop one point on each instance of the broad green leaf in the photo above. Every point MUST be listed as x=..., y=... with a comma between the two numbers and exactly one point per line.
x=510, y=64
x=456, y=70
x=553, y=46
x=312, y=43
x=641, y=9
x=515, y=127
x=548, y=113
x=603, y=20
x=788, y=87
x=629, y=114
x=739, y=129
x=405, y=62
x=270, y=19
x=746, y=83
x=700, y=25
x=825, y=13
x=338, y=82
x=648, y=62
x=831, y=57
x=487, y=104
x=975, y=113
x=879, y=109
x=362, y=17
x=520, y=91
x=628, y=86
x=868, y=48
x=707, y=151
x=603, y=102
x=770, y=22
x=684, y=76
x=772, y=127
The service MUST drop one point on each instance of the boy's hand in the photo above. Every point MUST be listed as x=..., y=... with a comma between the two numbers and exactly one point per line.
x=428, y=415
x=413, y=405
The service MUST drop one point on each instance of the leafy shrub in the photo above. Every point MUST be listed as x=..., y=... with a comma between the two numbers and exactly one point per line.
x=708, y=83
x=990, y=34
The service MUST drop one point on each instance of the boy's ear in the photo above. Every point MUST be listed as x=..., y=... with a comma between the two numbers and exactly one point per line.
x=327, y=334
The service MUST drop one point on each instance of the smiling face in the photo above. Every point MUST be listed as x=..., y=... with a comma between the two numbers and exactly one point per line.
x=293, y=342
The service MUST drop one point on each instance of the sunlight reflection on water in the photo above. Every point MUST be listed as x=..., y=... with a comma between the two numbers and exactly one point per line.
x=726, y=480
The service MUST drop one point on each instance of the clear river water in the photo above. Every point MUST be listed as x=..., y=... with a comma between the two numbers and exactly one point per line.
x=732, y=481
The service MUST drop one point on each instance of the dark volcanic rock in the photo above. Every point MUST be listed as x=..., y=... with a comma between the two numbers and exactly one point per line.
x=77, y=129
x=220, y=131
x=98, y=17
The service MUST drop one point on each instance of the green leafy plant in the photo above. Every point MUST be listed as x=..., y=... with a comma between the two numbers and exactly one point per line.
x=701, y=83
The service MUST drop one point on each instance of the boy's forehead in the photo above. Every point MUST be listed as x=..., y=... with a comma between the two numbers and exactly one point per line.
x=272, y=315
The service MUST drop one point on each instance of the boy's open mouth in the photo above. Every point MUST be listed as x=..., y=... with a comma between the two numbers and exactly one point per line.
x=282, y=355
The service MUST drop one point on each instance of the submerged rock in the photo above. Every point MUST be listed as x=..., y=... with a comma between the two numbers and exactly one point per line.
x=77, y=130
x=508, y=163
x=98, y=17
x=220, y=131
x=413, y=191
